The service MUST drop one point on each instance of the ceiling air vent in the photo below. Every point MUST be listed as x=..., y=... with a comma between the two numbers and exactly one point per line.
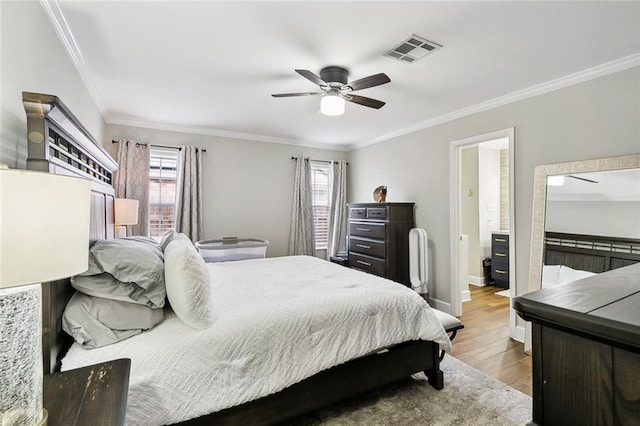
x=412, y=49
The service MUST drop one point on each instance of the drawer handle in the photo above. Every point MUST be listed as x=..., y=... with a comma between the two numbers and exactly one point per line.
x=500, y=271
x=364, y=229
x=500, y=240
x=363, y=262
x=501, y=254
x=363, y=246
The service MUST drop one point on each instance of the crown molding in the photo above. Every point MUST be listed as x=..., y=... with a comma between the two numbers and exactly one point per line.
x=59, y=23
x=224, y=134
x=612, y=67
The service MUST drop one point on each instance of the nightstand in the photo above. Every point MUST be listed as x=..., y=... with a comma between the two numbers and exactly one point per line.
x=94, y=395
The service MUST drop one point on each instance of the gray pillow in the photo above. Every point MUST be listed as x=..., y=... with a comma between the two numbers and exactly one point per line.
x=126, y=269
x=95, y=322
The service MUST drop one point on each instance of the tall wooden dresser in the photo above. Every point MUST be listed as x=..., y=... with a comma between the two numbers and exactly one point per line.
x=378, y=240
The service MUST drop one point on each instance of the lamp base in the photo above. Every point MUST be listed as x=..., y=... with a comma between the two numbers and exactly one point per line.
x=21, y=357
x=45, y=418
x=121, y=231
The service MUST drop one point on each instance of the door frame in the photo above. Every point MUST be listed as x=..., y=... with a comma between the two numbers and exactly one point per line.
x=455, y=180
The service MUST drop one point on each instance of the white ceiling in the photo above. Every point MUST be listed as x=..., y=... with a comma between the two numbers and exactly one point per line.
x=210, y=67
x=613, y=185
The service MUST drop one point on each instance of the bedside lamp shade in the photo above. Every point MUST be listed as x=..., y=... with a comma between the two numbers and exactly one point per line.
x=44, y=236
x=44, y=227
x=125, y=211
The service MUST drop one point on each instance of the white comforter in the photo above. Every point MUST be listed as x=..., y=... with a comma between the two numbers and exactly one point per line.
x=278, y=321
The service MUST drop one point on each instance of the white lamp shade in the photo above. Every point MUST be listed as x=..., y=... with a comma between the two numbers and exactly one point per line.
x=332, y=105
x=126, y=211
x=44, y=227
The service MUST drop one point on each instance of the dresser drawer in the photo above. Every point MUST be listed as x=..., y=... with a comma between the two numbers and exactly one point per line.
x=500, y=253
x=500, y=271
x=367, y=229
x=367, y=263
x=500, y=239
x=375, y=248
x=357, y=213
x=376, y=212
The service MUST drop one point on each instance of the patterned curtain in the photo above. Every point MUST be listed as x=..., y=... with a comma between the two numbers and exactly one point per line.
x=132, y=181
x=301, y=240
x=338, y=209
x=189, y=193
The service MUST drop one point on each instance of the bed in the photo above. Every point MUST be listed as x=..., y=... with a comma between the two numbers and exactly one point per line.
x=66, y=147
x=570, y=257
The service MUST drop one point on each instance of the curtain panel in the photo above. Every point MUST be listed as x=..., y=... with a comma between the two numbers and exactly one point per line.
x=301, y=237
x=189, y=193
x=338, y=209
x=131, y=180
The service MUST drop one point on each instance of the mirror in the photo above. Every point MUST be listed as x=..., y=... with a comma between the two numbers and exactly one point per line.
x=585, y=169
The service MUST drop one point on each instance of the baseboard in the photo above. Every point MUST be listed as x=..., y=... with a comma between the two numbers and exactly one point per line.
x=466, y=296
x=479, y=281
x=440, y=305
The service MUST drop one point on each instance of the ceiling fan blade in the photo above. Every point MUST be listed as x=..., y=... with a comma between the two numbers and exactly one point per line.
x=362, y=100
x=371, y=81
x=288, y=95
x=312, y=77
x=582, y=178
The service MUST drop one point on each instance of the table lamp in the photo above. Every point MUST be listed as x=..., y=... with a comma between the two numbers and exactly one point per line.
x=44, y=236
x=125, y=213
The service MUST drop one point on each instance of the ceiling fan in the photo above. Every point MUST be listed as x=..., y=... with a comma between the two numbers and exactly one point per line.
x=335, y=89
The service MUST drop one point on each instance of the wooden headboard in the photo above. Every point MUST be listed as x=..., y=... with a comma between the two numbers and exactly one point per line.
x=590, y=252
x=58, y=143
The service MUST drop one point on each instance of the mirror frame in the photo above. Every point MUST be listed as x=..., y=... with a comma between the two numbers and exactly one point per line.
x=536, y=253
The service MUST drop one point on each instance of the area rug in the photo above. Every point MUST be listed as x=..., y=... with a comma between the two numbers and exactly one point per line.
x=468, y=398
x=504, y=293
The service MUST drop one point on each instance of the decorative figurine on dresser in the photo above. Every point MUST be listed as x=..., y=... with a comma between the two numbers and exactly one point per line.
x=378, y=239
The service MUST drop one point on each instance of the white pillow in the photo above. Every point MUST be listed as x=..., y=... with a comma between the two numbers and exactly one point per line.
x=550, y=274
x=568, y=274
x=188, y=283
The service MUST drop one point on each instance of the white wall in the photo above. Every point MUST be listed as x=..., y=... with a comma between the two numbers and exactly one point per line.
x=594, y=119
x=248, y=186
x=488, y=199
x=606, y=218
x=34, y=60
x=469, y=210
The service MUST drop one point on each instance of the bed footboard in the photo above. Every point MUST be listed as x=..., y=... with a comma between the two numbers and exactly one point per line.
x=336, y=384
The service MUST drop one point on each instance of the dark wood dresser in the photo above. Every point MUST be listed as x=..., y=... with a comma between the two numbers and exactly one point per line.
x=586, y=349
x=500, y=258
x=378, y=240
x=95, y=395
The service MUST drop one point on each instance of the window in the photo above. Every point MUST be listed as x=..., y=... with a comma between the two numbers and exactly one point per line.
x=320, y=200
x=162, y=190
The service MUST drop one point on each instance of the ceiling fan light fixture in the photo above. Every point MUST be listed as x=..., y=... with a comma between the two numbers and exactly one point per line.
x=332, y=105
x=556, y=180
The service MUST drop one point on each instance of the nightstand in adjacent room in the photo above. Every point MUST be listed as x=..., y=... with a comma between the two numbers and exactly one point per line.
x=95, y=395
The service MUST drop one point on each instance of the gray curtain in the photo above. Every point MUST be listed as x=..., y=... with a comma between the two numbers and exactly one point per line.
x=189, y=193
x=301, y=239
x=338, y=210
x=131, y=180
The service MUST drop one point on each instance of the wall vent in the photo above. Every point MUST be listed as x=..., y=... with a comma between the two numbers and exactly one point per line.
x=412, y=49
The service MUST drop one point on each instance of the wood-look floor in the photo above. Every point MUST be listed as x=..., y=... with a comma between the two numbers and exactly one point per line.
x=484, y=341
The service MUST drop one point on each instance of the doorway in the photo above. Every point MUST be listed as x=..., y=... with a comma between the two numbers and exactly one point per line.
x=479, y=208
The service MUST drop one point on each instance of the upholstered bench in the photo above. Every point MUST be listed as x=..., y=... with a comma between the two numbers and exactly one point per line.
x=450, y=323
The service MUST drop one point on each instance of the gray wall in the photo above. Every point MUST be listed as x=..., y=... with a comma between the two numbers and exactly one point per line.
x=594, y=119
x=606, y=218
x=34, y=60
x=248, y=186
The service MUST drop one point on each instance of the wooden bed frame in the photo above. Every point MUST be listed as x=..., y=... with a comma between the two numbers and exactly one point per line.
x=591, y=253
x=58, y=143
